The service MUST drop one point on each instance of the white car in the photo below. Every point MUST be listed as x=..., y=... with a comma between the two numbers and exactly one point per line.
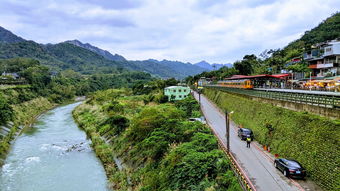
x=202, y=120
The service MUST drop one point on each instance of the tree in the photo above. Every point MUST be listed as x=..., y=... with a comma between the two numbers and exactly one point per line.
x=6, y=111
x=245, y=67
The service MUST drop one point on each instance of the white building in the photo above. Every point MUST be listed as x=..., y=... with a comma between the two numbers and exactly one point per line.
x=324, y=59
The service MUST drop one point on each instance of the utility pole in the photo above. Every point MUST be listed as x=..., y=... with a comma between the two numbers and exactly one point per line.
x=227, y=128
x=227, y=133
x=293, y=80
x=199, y=97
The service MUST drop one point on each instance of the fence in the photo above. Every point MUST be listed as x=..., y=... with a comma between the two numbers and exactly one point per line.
x=331, y=100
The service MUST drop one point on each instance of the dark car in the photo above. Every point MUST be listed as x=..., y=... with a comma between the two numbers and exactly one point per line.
x=244, y=132
x=290, y=168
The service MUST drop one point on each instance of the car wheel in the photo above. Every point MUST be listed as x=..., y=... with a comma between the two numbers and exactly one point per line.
x=285, y=173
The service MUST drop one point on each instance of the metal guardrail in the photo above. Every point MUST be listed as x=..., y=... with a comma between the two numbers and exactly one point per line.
x=320, y=100
x=245, y=183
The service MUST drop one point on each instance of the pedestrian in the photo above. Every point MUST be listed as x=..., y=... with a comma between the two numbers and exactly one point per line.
x=248, y=140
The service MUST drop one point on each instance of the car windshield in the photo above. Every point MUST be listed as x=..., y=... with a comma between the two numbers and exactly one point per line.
x=247, y=130
x=293, y=164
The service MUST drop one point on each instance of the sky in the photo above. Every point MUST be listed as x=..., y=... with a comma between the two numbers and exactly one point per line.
x=218, y=31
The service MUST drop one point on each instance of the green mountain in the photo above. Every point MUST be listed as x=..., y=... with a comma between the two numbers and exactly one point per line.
x=329, y=29
x=7, y=36
x=106, y=54
x=87, y=59
x=163, y=69
x=275, y=60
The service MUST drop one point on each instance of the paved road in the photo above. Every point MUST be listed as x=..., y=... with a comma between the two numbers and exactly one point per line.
x=257, y=165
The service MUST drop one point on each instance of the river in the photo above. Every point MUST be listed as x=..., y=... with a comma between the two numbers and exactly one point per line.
x=53, y=155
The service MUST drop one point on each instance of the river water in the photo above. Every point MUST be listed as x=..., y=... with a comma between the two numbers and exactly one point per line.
x=54, y=155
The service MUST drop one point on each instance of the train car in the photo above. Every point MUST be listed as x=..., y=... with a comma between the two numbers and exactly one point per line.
x=241, y=84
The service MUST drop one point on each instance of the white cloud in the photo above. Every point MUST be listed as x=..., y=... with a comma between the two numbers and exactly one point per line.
x=186, y=30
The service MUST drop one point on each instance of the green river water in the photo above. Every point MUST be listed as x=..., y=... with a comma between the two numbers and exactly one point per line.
x=54, y=155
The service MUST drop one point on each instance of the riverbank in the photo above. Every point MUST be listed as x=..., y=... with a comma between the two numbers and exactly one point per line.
x=24, y=115
x=310, y=139
x=54, y=154
x=159, y=148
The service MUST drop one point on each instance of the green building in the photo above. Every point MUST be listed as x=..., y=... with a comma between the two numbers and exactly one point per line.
x=176, y=92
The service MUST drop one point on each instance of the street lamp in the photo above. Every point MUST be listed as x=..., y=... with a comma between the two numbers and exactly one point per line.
x=227, y=125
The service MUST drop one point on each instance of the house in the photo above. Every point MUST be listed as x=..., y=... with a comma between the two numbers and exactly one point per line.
x=5, y=75
x=176, y=92
x=324, y=59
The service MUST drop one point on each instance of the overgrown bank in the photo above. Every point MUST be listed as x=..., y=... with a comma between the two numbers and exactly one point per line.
x=160, y=149
x=310, y=139
x=24, y=114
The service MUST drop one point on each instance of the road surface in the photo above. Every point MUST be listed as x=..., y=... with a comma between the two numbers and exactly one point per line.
x=257, y=165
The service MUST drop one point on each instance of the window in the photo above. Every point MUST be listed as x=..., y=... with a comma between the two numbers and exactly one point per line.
x=174, y=90
x=185, y=96
x=179, y=90
x=184, y=90
x=180, y=96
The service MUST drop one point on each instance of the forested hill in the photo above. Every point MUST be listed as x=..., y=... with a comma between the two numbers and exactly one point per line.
x=329, y=29
x=274, y=60
x=164, y=68
x=87, y=59
x=8, y=37
x=106, y=54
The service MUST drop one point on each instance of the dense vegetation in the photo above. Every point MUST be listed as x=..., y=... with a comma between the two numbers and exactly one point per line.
x=18, y=103
x=22, y=114
x=274, y=60
x=312, y=140
x=159, y=148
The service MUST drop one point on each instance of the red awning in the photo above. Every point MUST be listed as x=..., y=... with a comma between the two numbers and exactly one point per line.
x=236, y=77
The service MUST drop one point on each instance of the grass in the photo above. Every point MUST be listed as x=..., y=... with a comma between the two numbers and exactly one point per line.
x=310, y=139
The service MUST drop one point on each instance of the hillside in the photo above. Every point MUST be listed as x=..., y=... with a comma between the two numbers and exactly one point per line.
x=106, y=54
x=88, y=59
x=7, y=37
x=206, y=65
x=83, y=60
x=163, y=69
x=274, y=60
x=181, y=69
x=329, y=29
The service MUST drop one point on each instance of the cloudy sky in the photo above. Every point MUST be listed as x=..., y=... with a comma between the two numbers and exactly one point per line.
x=219, y=31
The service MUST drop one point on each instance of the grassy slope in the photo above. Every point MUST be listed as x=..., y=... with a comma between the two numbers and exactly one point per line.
x=160, y=151
x=24, y=114
x=312, y=140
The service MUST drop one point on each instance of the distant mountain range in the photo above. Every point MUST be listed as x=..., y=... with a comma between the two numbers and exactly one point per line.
x=88, y=59
x=206, y=65
x=106, y=54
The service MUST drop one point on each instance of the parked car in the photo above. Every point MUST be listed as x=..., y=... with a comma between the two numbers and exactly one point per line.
x=202, y=120
x=244, y=132
x=290, y=168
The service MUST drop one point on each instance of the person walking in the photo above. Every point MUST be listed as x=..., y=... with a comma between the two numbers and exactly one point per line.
x=248, y=140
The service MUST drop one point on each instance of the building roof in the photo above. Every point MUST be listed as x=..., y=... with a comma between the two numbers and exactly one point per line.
x=171, y=87
x=236, y=77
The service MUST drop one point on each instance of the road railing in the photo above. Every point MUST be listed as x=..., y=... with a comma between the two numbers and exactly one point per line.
x=243, y=179
x=320, y=100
